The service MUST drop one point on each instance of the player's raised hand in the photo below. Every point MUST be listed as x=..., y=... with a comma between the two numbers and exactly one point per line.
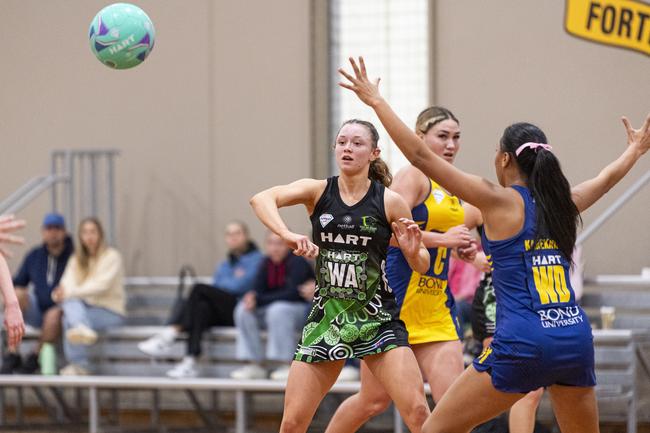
x=408, y=235
x=366, y=90
x=639, y=138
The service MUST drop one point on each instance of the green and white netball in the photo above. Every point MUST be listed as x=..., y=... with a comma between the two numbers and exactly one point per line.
x=121, y=36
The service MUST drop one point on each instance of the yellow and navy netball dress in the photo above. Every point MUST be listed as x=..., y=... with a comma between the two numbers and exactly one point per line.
x=426, y=304
x=354, y=313
x=542, y=336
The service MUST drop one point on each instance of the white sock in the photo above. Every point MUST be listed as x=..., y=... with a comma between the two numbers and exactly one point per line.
x=189, y=360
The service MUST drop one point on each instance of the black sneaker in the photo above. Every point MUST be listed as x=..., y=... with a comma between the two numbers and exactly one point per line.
x=10, y=363
x=30, y=366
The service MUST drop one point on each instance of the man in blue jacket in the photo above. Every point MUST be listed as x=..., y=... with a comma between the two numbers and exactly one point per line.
x=209, y=306
x=41, y=270
x=278, y=303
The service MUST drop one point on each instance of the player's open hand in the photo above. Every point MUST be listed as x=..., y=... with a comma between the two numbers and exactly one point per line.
x=8, y=225
x=639, y=138
x=408, y=235
x=249, y=301
x=14, y=325
x=366, y=90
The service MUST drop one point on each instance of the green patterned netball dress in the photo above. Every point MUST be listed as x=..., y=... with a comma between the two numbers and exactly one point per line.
x=354, y=313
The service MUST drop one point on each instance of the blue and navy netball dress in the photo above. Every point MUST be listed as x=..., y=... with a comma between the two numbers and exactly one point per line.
x=542, y=336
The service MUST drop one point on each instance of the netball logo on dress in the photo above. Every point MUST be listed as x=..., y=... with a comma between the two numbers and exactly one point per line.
x=347, y=223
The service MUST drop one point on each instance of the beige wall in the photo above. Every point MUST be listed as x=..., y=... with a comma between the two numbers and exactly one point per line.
x=218, y=111
x=504, y=61
x=222, y=109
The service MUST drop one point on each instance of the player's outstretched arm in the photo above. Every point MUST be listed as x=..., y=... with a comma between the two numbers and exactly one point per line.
x=468, y=187
x=590, y=191
x=266, y=205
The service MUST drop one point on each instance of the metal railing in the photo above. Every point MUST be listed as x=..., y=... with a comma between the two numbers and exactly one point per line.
x=28, y=192
x=634, y=280
x=81, y=183
x=164, y=281
x=613, y=208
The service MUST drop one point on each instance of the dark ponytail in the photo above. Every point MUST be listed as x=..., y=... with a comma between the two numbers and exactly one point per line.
x=378, y=171
x=557, y=215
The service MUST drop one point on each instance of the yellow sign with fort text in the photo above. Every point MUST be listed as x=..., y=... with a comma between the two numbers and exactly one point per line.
x=620, y=23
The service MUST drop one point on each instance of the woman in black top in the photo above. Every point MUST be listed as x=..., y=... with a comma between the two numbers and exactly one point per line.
x=354, y=314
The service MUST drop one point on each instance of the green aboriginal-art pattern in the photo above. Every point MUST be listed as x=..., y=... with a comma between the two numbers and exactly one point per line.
x=369, y=331
x=348, y=313
x=349, y=333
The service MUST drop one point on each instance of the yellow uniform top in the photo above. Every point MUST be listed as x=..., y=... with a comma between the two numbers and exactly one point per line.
x=427, y=305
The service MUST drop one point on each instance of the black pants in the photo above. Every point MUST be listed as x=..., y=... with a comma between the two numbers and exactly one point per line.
x=206, y=307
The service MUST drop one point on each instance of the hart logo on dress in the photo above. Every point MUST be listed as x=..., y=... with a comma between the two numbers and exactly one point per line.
x=325, y=219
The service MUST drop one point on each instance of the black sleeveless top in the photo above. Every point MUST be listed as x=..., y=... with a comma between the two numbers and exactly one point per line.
x=354, y=313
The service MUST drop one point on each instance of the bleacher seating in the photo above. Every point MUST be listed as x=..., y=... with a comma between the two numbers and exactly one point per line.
x=621, y=356
x=632, y=306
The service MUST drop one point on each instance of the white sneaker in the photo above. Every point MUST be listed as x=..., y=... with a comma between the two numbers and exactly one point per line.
x=31, y=330
x=81, y=334
x=281, y=373
x=249, y=372
x=73, y=370
x=158, y=345
x=348, y=374
x=184, y=369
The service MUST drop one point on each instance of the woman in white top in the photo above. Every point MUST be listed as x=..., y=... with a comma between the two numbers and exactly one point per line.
x=91, y=294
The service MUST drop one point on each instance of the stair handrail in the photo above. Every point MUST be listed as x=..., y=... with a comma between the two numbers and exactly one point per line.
x=28, y=192
x=613, y=208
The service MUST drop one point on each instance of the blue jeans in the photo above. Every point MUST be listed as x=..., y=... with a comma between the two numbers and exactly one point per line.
x=282, y=319
x=77, y=312
x=33, y=316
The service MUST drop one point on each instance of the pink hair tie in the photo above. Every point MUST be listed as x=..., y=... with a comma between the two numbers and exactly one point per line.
x=532, y=146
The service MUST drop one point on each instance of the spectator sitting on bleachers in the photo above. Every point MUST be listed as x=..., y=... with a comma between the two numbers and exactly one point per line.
x=209, y=306
x=276, y=303
x=42, y=268
x=91, y=295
